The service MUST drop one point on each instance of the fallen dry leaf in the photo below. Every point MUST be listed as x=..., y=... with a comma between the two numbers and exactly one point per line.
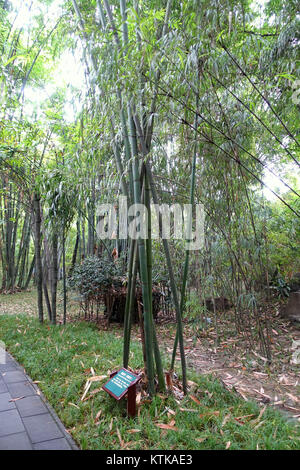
x=16, y=399
x=225, y=420
x=166, y=426
x=87, y=387
x=169, y=380
x=260, y=414
x=189, y=410
x=97, y=378
x=195, y=399
x=128, y=444
x=191, y=383
x=73, y=404
x=214, y=413
x=138, y=398
x=120, y=438
x=259, y=424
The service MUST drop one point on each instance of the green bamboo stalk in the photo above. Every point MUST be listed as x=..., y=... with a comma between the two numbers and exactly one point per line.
x=124, y=21
x=131, y=153
x=187, y=252
x=130, y=150
x=157, y=355
x=112, y=23
x=142, y=259
x=145, y=269
x=101, y=12
x=131, y=289
x=119, y=94
x=127, y=147
x=148, y=186
x=123, y=117
x=129, y=300
x=149, y=127
x=172, y=283
x=119, y=165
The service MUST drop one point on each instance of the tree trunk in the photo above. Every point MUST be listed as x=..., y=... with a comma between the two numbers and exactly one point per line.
x=38, y=258
x=54, y=276
x=64, y=278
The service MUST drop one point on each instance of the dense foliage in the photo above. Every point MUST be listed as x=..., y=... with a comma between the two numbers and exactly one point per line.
x=95, y=275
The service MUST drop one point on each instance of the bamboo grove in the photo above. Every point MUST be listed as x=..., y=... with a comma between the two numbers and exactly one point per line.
x=188, y=101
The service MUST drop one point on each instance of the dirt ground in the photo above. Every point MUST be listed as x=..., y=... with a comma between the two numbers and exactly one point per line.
x=244, y=369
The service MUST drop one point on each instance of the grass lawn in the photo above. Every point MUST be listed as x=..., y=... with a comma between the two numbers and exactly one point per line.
x=60, y=358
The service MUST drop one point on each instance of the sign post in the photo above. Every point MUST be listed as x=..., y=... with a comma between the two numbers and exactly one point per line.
x=123, y=382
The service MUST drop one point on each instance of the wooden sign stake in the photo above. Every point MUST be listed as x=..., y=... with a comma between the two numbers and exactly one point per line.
x=131, y=401
x=121, y=383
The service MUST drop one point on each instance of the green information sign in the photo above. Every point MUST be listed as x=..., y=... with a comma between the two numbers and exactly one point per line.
x=118, y=385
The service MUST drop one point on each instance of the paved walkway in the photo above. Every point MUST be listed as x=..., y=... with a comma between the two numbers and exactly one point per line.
x=27, y=421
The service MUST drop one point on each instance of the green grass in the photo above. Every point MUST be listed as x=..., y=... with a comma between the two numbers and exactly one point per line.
x=59, y=356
